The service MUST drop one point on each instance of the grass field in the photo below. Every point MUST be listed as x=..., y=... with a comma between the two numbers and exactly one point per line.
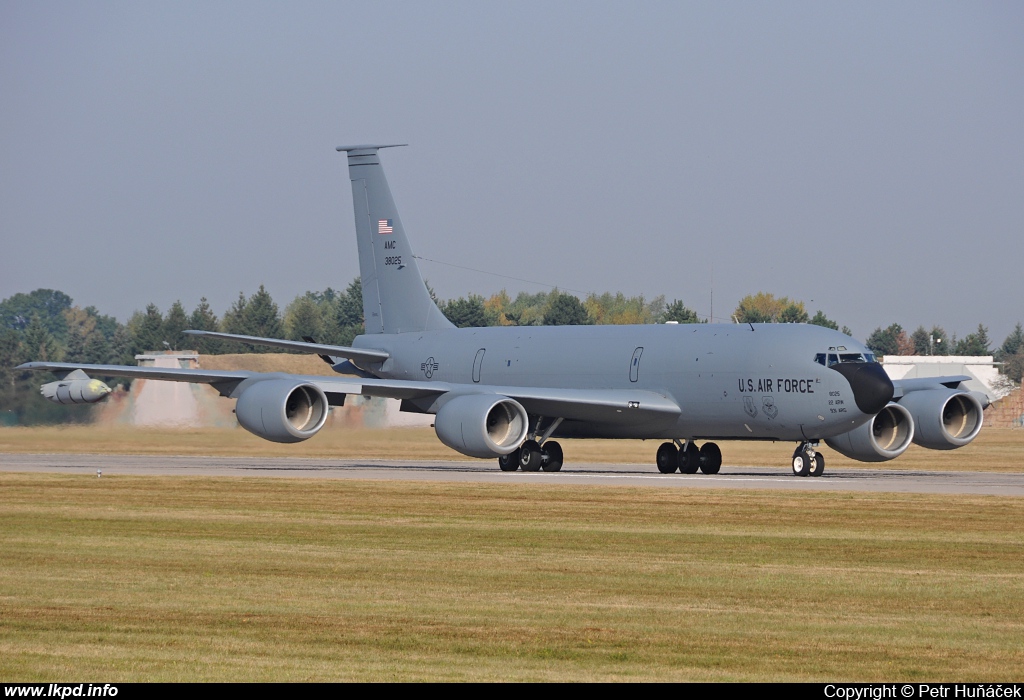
x=995, y=449
x=173, y=578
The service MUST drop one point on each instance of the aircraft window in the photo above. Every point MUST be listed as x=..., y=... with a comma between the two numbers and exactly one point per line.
x=851, y=357
x=833, y=359
x=820, y=358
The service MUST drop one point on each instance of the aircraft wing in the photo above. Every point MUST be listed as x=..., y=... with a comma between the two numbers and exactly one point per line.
x=905, y=386
x=364, y=354
x=619, y=406
x=226, y=381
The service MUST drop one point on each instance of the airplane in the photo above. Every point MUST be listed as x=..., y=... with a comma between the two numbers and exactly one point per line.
x=506, y=393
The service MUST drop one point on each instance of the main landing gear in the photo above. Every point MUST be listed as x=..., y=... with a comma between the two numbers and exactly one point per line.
x=688, y=459
x=807, y=461
x=533, y=457
x=536, y=453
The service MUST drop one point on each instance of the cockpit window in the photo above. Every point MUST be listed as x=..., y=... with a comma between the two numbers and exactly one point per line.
x=833, y=358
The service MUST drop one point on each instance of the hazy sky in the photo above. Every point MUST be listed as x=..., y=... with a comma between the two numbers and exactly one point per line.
x=866, y=158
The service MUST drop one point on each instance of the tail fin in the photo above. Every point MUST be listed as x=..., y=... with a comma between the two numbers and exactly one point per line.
x=395, y=297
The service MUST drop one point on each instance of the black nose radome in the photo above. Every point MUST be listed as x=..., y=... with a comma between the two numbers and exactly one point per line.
x=872, y=388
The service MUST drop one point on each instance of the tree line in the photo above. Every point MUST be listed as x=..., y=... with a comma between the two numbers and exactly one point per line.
x=46, y=325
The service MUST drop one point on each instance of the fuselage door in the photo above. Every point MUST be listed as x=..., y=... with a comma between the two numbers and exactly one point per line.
x=634, y=365
x=478, y=362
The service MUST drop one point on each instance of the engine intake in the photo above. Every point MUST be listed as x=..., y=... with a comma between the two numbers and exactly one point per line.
x=884, y=437
x=482, y=425
x=281, y=410
x=944, y=419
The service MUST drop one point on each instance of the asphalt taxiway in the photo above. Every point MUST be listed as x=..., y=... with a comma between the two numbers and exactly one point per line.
x=486, y=471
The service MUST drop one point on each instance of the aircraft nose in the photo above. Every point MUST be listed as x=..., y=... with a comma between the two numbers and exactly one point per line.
x=872, y=388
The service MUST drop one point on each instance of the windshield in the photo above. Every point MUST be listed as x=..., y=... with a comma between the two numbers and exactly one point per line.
x=836, y=356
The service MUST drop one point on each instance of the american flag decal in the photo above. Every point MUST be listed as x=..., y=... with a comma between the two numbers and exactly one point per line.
x=384, y=226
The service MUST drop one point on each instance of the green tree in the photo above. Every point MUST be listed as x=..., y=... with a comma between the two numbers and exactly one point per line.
x=262, y=319
x=566, y=310
x=820, y=319
x=234, y=318
x=766, y=308
x=974, y=344
x=303, y=318
x=1013, y=365
x=121, y=352
x=97, y=349
x=887, y=341
x=49, y=305
x=350, y=305
x=10, y=356
x=173, y=325
x=38, y=344
x=1013, y=343
x=529, y=309
x=203, y=319
x=107, y=325
x=794, y=313
x=75, y=350
x=922, y=341
x=678, y=312
x=147, y=330
x=466, y=312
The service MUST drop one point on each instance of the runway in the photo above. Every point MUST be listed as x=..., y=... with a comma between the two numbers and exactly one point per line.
x=486, y=471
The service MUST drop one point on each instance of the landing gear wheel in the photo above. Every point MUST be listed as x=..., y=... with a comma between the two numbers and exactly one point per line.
x=689, y=459
x=551, y=454
x=668, y=458
x=819, y=465
x=509, y=462
x=802, y=461
x=530, y=457
x=710, y=458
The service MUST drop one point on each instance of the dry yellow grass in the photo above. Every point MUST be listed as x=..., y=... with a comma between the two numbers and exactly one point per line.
x=999, y=449
x=268, y=362
x=170, y=578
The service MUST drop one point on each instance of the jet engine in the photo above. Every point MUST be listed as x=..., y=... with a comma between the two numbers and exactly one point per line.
x=944, y=419
x=884, y=437
x=482, y=425
x=282, y=410
x=69, y=391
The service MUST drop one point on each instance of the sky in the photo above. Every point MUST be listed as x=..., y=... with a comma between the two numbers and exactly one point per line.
x=865, y=158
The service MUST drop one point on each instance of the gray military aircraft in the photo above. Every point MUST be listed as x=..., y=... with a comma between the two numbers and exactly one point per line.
x=506, y=392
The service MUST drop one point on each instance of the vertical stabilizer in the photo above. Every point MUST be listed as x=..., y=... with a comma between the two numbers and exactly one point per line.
x=395, y=297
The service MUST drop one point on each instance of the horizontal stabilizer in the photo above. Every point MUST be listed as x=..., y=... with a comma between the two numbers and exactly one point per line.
x=363, y=354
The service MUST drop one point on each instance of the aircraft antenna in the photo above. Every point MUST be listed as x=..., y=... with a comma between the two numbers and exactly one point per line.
x=495, y=274
x=711, y=317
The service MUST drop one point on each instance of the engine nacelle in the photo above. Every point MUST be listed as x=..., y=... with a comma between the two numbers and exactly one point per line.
x=482, y=425
x=68, y=391
x=282, y=410
x=944, y=419
x=884, y=437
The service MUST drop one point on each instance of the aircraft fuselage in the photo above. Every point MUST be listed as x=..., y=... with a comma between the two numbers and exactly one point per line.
x=730, y=381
